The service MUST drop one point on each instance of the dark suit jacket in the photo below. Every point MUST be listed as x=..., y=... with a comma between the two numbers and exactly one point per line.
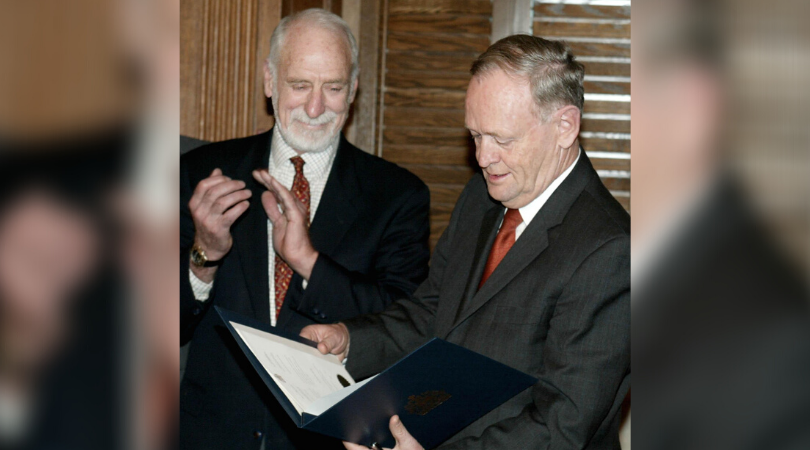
x=371, y=230
x=557, y=307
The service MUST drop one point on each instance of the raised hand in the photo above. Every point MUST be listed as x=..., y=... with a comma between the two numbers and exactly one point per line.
x=332, y=339
x=215, y=205
x=290, y=225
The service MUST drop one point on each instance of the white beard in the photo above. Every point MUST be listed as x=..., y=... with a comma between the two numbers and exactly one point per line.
x=306, y=140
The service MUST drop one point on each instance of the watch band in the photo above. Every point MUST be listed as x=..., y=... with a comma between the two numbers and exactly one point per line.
x=199, y=258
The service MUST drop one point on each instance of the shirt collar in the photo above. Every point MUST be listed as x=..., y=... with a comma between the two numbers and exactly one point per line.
x=317, y=164
x=529, y=211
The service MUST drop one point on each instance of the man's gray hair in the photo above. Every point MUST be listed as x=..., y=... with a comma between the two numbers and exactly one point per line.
x=319, y=18
x=554, y=74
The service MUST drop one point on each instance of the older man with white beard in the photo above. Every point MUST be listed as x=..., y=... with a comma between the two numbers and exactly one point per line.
x=338, y=233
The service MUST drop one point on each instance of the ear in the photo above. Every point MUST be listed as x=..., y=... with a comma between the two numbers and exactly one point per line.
x=354, y=90
x=268, y=82
x=568, y=122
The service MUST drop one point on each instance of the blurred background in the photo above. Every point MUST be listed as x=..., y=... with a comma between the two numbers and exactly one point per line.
x=94, y=94
x=89, y=95
x=721, y=224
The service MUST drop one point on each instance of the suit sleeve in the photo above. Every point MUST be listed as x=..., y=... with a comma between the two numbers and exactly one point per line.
x=191, y=310
x=335, y=293
x=586, y=360
x=379, y=340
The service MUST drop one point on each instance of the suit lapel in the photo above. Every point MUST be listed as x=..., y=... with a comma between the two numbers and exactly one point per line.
x=469, y=264
x=250, y=234
x=529, y=246
x=337, y=209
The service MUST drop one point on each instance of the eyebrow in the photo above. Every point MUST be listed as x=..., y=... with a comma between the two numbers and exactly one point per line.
x=495, y=135
x=336, y=81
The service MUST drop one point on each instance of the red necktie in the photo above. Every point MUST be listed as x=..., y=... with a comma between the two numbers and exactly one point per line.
x=503, y=242
x=283, y=272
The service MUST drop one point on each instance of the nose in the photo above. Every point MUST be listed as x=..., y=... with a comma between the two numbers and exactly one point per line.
x=315, y=106
x=486, y=152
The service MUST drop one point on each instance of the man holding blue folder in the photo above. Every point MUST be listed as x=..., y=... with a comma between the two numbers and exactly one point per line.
x=533, y=270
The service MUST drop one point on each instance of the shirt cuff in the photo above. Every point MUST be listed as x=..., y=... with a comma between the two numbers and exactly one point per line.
x=200, y=288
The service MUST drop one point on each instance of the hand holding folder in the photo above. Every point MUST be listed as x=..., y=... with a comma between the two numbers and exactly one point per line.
x=435, y=391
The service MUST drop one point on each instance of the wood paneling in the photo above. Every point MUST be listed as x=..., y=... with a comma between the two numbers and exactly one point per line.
x=425, y=98
x=435, y=173
x=602, y=49
x=416, y=154
x=221, y=66
x=444, y=193
x=439, y=23
x=607, y=87
x=424, y=117
x=545, y=28
x=581, y=11
x=606, y=126
x=431, y=45
x=442, y=137
x=438, y=42
x=428, y=79
x=606, y=145
x=605, y=107
x=411, y=60
x=482, y=7
x=607, y=68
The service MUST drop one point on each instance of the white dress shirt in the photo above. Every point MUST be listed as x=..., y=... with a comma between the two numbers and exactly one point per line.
x=316, y=170
x=529, y=211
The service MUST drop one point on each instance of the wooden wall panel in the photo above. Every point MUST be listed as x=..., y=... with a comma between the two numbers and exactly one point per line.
x=430, y=46
x=223, y=44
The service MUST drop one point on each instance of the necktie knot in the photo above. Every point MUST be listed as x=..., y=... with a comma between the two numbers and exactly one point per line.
x=512, y=219
x=298, y=162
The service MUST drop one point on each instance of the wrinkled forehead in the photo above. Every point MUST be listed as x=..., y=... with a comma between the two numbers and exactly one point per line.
x=307, y=43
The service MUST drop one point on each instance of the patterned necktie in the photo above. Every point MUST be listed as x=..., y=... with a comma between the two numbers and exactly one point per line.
x=283, y=272
x=503, y=242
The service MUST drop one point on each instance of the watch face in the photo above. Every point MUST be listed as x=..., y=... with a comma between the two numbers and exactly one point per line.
x=198, y=257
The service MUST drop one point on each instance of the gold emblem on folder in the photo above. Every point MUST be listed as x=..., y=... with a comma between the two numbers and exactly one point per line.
x=426, y=402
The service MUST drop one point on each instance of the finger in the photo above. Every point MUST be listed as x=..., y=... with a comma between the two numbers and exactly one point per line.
x=214, y=194
x=215, y=177
x=401, y=436
x=332, y=343
x=350, y=446
x=310, y=332
x=232, y=214
x=263, y=177
x=225, y=202
x=288, y=202
x=270, y=205
x=202, y=188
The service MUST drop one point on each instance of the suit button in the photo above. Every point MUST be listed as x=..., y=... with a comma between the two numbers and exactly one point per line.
x=323, y=316
x=257, y=434
x=196, y=311
x=316, y=311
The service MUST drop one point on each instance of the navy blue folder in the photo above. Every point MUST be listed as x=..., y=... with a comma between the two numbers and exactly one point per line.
x=437, y=390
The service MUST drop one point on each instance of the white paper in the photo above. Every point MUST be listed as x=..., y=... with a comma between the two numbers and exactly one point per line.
x=320, y=406
x=301, y=372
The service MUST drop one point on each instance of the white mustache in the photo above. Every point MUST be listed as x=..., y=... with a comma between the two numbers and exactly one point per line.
x=301, y=116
